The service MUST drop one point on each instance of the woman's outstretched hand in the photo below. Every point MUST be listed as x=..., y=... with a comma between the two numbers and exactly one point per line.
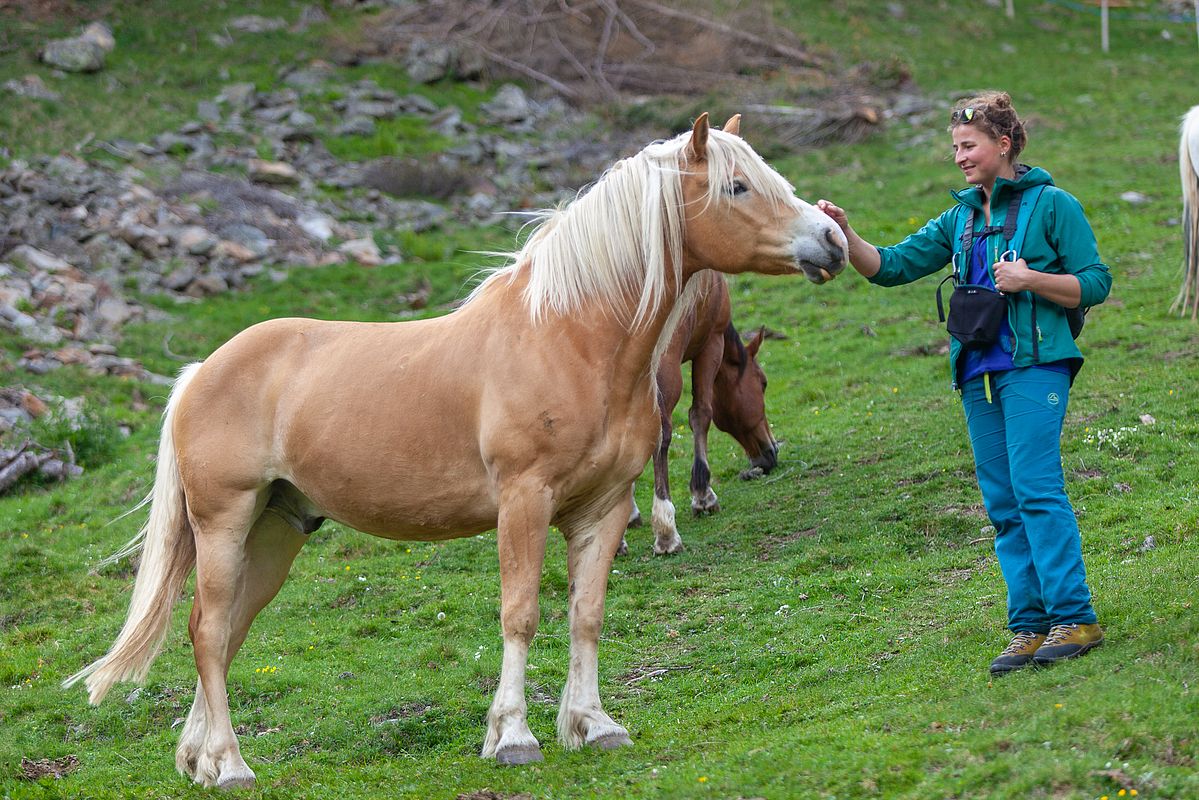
x=835, y=213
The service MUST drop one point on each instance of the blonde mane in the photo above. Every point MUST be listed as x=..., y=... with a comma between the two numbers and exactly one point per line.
x=613, y=242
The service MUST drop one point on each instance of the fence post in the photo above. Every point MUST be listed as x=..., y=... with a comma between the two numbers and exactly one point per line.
x=1103, y=25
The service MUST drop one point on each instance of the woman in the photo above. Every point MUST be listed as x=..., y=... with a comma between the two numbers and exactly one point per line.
x=1015, y=382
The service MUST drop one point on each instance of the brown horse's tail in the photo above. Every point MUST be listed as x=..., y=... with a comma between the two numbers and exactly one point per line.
x=168, y=556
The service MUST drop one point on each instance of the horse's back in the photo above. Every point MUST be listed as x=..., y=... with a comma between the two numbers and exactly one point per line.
x=362, y=418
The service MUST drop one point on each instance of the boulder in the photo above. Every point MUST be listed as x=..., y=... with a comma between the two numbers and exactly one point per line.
x=74, y=55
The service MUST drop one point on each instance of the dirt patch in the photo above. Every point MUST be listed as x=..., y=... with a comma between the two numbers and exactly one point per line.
x=52, y=10
x=34, y=769
x=769, y=547
x=397, y=713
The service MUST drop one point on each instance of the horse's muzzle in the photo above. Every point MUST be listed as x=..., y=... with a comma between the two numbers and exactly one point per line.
x=822, y=258
x=767, y=459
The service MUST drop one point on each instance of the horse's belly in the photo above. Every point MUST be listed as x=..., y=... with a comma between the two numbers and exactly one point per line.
x=398, y=489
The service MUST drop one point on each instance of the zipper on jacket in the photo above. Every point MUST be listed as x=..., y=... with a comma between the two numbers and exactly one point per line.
x=1036, y=332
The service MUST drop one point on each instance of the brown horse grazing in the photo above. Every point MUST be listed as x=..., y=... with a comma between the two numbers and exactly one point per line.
x=531, y=405
x=728, y=387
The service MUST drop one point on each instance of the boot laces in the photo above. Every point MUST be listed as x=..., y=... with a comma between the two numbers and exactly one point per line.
x=1060, y=633
x=1020, y=643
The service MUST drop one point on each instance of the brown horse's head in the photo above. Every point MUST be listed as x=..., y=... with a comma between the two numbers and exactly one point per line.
x=739, y=400
x=742, y=216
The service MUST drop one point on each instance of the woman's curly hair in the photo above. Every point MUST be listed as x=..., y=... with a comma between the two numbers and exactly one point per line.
x=993, y=115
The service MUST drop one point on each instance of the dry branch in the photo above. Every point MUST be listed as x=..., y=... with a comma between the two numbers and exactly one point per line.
x=597, y=50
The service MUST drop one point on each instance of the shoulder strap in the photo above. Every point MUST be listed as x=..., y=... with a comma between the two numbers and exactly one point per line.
x=1015, y=225
x=968, y=231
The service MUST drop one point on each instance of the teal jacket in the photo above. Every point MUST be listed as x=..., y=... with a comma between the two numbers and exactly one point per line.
x=1058, y=240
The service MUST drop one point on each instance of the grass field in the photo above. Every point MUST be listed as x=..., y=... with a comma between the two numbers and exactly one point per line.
x=825, y=636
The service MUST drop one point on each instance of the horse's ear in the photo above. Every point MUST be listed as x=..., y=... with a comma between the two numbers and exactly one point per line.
x=697, y=148
x=755, y=341
x=733, y=126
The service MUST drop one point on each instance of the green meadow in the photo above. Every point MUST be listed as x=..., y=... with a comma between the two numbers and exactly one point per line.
x=826, y=635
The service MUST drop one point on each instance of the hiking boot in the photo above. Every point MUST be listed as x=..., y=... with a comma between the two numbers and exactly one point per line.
x=1018, y=653
x=1068, y=641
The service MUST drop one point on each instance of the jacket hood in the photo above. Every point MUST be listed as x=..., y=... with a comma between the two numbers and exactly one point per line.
x=1026, y=177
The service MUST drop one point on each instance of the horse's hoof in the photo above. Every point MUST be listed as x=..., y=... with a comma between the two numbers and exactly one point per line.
x=518, y=754
x=611, y=741
x=623, y=550
x=706, y=509
x=751, y=474
x=635, y=522
x=236, y=779
x=671, y=548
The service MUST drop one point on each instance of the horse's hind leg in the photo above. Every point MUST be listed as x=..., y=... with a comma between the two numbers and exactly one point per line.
x=634, y=519
x=520, y=537
x=236, y=576
x=590, y=550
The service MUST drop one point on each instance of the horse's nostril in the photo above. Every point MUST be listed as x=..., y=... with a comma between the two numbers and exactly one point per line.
x=830, y=235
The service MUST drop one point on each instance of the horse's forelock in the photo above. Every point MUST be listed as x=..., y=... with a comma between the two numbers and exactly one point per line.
x=730, y=157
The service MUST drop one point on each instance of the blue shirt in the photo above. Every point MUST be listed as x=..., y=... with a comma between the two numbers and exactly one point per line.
x=996, y=357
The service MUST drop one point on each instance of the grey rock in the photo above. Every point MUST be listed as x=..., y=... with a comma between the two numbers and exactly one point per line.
x=253, y=23
x=208, y=110
x=99, y=34
x=178, y=280
x=427, y=61
x=272, y=172
x=510, y=104
x=247, y=236
x=74, y=55
x=418, y=104
x=238, y=95
x=34, y=260
x=318, y=226
x=309, y=79
x=33, y=87
x=113, y=312
x=356, y=126
x=207, y=285
x=310, y=15
x=378, y=109
x=364, y=251
x=196, y=241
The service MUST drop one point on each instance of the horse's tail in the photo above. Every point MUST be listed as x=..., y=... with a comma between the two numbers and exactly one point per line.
x=1188, y=147
x=168, y=555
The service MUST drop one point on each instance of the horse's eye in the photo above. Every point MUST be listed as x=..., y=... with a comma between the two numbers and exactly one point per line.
x=739, y=187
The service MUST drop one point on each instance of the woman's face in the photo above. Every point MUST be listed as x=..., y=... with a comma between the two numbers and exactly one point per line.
x=978, y=155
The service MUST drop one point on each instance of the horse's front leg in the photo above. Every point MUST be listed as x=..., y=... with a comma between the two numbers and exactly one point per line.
x=591, y=547
x=666, y=534
x=523, y=522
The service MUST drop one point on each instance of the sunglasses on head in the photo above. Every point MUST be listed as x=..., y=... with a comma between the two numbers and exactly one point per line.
x=962, y=115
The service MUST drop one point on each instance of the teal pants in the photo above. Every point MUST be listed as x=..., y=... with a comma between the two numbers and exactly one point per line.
x=1016, y=435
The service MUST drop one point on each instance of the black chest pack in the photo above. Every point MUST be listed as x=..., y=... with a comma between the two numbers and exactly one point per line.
x=976, y=312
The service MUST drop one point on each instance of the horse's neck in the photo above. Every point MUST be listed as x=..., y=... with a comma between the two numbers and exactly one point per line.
x=599, y=338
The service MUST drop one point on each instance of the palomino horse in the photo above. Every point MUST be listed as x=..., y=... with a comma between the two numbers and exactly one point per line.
x=728, y=387
x=1188, y=167
x=531, y=405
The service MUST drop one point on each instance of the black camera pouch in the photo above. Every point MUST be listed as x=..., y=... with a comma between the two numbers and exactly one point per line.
x=975, y=314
